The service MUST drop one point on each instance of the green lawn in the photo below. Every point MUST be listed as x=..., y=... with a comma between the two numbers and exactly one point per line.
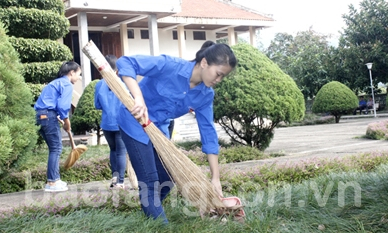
x=337, y=202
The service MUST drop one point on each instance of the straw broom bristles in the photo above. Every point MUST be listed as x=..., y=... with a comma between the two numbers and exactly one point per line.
x=131, y=174
x=189, y=179
x=74, y=156
x=75, y=152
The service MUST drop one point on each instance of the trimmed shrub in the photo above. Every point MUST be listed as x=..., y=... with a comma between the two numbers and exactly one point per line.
x=252, y=101
x=377, y=130
x=335, y=98
x=40, y=50
x=54, y=5
x=17, y=117
x=83, y=172
x=231, y=154
x=311, y=119
x=189, y=145
x=41, y=24
x=36, y=90
x=41, y=72
x=86, y=117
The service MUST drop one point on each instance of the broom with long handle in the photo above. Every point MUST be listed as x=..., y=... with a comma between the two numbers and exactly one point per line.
x=76, y=151
x=189, y=179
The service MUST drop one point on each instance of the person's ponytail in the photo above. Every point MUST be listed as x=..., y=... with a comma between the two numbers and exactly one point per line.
x=218, y=54
x=67, y=67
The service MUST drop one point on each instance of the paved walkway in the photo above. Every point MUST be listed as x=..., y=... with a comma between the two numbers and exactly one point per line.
x=320, y=141
x=296, y=143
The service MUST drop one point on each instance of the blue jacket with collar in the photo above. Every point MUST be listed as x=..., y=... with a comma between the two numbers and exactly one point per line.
x=166, y=90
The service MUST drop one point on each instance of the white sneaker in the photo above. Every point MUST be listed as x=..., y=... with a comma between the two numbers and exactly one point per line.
x=55, y=188
x=62, y=183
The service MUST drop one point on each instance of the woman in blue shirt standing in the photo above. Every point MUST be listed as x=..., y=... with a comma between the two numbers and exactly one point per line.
x=170, y=88
x=106, y=100
x=54, y=102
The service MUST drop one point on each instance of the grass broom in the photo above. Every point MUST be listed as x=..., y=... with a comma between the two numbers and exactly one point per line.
x=131, y=174
x=189, y=179
x=76, y=151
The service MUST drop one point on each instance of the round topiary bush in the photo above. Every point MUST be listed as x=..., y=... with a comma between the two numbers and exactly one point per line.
x=41, y=24
x=35, y=25
x=86, y=117
x=336, y=99
x=53, y=5
x=255, y=98
x=40, y=50
x=41, y=72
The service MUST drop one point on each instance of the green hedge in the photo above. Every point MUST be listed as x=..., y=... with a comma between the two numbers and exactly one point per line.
x=41, y=72
x=40, y=24
x=36, y=90
x=40, y=50
x=54, y=5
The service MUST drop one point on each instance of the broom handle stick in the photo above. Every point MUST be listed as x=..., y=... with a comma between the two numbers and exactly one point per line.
x=68, y=133
x=71, y=140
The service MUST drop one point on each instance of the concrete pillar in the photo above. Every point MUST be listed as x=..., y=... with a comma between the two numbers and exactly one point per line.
x=153, y=35
x=252, y=36
x=83, y=38
x=124, y=39
x=231, y=36
x=181, y=41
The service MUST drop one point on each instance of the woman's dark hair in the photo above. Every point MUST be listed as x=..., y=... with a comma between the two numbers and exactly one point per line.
x=67, y=67
x=217, y=54
x=111, y=59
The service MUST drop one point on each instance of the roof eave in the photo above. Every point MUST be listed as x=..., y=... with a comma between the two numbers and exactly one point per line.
x=269, y=16
x=215, y=21
x=138, y=6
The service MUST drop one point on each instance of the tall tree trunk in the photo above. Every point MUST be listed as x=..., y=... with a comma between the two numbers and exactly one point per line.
x=337, y=118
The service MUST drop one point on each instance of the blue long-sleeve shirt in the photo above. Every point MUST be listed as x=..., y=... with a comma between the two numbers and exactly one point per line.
x=106, y=100
x=57, y=96
x=167, y=94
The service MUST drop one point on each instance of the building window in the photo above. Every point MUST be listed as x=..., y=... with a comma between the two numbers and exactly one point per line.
x=131, y=34
x=199, y=35
x=175, y=35
x=144, y=34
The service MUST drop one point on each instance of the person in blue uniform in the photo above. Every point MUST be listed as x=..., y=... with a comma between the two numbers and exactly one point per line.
x=105, y=100
x=170, y=88
x=54, y=102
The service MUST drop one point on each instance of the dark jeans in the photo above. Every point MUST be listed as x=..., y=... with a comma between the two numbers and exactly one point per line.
x=117, y=154
x=360, y=108
x=51, y=133
x=171, y=127
x=154, y=181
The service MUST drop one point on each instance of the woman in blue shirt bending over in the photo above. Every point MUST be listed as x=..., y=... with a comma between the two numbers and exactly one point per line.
x=170, y=88
x=106, y=100
x=53, y=102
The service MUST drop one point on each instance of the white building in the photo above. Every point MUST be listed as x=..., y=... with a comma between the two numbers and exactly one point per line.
x=174, y=27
